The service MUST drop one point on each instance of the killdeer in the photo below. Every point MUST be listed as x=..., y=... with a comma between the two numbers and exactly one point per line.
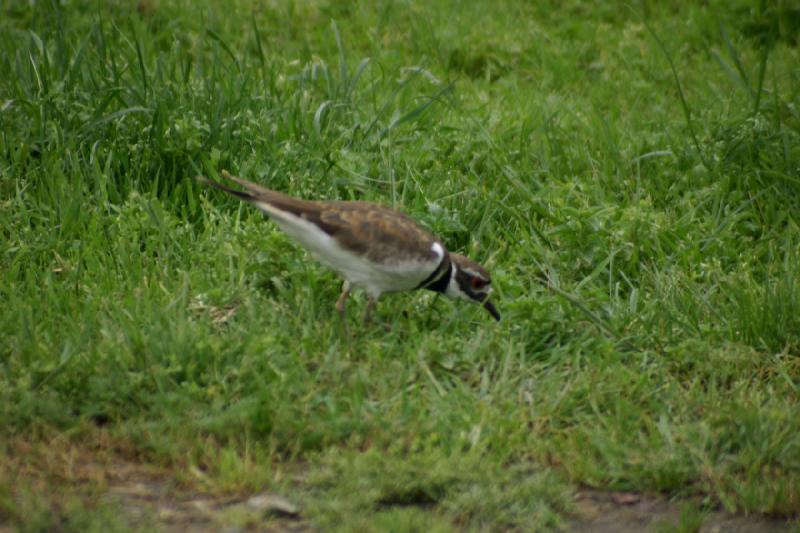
x=374, y=248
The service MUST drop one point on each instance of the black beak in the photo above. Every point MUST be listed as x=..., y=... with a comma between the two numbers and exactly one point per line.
x=490, y=307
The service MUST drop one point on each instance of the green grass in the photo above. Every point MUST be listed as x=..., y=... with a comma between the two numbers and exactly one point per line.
x=629, y=173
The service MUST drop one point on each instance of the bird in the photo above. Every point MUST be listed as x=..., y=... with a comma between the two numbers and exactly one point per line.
x=372, y=247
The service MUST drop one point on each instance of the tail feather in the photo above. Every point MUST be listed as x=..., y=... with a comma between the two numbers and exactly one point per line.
x=255, y=189
x=257, y=195
x=246, y=196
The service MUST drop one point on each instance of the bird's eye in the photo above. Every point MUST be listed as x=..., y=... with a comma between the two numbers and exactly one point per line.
x=478, y=283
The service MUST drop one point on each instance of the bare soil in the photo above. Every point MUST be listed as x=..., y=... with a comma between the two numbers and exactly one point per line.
x=150, y=496
x=630, y=512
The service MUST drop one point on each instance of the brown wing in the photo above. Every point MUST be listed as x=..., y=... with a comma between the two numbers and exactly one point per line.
x=363, y=227
x=377, y=231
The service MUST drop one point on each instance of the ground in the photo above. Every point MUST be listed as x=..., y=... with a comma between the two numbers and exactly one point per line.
x=98, y=472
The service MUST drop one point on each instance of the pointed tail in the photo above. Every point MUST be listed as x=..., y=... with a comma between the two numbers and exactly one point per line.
x=247, y=196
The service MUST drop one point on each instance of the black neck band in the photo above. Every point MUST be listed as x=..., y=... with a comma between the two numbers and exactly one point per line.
x=439, y=278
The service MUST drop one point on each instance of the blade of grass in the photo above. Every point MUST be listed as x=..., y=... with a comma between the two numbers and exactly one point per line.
x=687, y=113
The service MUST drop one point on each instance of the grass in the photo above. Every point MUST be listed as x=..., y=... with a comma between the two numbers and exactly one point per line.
x=629, y=173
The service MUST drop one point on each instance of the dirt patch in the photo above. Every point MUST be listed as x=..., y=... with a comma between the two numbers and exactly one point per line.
x=47, y=477
x=630, y=512
x=146, y=500
x=146, y=496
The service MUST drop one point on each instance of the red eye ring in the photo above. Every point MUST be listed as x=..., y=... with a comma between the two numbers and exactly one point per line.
x=478, y=283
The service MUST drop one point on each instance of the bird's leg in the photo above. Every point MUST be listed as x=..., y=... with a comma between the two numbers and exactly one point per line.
x=340, y=304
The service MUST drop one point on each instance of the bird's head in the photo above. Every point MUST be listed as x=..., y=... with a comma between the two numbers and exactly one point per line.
x=470, y=281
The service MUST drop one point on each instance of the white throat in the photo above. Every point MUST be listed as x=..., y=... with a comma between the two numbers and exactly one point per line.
x=453, y=290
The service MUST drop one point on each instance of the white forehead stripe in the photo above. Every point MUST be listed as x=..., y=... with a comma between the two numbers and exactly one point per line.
x=473, y=273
